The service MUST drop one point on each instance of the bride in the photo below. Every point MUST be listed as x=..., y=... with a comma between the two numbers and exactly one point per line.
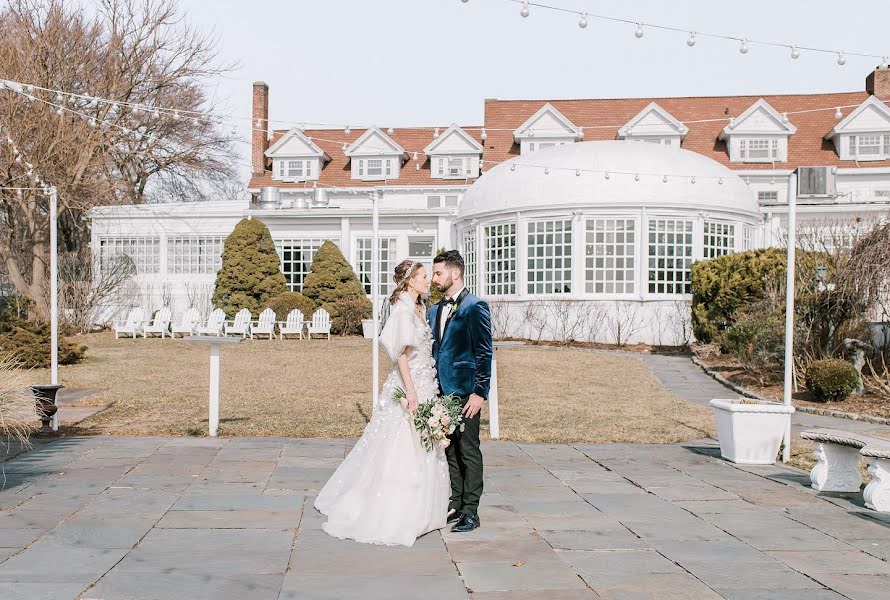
x=389, y=490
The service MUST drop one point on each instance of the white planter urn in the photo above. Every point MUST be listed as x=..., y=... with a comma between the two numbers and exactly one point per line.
x=750, y=434
x=368, y=328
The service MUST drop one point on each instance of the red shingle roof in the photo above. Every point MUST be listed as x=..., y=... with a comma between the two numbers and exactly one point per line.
x=807, y=147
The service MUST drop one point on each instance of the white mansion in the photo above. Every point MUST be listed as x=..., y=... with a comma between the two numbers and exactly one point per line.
x=551, y=203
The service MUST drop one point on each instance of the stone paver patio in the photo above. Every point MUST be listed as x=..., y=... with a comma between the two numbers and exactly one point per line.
x=172, y=518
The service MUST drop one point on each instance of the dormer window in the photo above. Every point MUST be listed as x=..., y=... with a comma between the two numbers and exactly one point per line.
x=547, y=128
x=375, y=156
x=295, y=157
x=454, y=155
x=865, y=133
x=869, y=147
x=654, y=125
x=758, y=135
x=759, y=150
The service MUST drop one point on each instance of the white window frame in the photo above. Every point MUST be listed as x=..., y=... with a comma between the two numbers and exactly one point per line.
x=499, y=240
x=549, y=257
x=143, y=250
x=768, y=196
x=881, y=144
x=673, y=276
x=718, y=239
x=294, y=270
x=652, y=139
x=471, y=258
x=388, y=247
x=610, y=249
x=194, y=254
x=771, y=150
x=456, y=167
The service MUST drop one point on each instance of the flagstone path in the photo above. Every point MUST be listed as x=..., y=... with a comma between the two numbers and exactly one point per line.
x=114, y=518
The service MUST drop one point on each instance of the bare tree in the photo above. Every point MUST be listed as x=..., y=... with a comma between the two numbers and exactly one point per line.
x=594, y=315
x=625, y=321
x=501, y=318
x=534, y=313
x=680, y=319
x=85, y=285
x=566, y=318
x=95, y=152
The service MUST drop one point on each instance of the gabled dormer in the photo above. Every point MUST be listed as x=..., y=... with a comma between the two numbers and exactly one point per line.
x=545, y=129
x=655, y=125
x=865, y=133
x=454, y=155
x=375, y=156
x=758, y=135
x=295, y=157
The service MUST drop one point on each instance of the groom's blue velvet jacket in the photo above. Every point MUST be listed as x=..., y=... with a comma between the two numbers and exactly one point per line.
x=463, y=355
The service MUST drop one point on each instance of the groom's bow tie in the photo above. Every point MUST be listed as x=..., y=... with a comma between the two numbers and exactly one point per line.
x=446, y=301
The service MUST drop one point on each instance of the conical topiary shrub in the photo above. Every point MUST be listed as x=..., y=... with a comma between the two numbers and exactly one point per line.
x=251, y=270
x=332, y=284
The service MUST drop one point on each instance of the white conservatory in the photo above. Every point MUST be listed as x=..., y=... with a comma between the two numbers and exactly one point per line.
x=585, y=239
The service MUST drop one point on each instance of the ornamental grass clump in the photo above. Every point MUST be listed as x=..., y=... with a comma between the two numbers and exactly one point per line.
x=17, y=407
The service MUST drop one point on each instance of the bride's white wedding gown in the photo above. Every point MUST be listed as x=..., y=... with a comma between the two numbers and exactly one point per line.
x=389, y=490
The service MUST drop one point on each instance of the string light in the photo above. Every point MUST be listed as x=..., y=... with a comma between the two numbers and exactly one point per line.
x=582, y=22
x=524, y=12
x=838, y=114
x=691, y=40
x=744, y=47
x=841, y=58
x=639, y=31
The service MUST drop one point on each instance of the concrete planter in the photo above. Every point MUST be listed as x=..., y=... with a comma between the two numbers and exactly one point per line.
x=368, y=328
x=750, y=433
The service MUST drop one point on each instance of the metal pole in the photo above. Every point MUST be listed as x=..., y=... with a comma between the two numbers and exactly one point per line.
x=54, y=293
x=213, y=417
x=494, y=425
x=789, y=308
x=375, y=294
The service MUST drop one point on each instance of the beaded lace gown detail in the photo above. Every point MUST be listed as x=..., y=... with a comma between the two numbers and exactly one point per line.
x=388, y=489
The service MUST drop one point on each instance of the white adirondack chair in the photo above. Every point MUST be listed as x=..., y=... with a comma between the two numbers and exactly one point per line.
x=320, y=323
x=132, y=326
x=214, y=324
x=293, y=325
x=187, y=324
x=265, y=325
x=160, y=325
x=241, y=324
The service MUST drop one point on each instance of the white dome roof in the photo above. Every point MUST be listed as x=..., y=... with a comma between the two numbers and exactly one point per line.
x=529, y=186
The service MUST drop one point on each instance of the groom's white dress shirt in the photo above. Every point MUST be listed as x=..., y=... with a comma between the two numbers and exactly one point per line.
x=446, y=310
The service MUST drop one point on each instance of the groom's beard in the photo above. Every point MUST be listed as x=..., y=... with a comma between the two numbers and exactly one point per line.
x=444, y=287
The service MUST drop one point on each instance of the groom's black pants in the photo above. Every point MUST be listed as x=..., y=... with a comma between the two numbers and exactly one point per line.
x=465, y=466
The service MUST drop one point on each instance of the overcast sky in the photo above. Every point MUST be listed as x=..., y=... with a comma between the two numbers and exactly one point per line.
x=432, y=62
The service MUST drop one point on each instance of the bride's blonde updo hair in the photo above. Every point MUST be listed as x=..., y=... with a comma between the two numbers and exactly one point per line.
x=402, y=275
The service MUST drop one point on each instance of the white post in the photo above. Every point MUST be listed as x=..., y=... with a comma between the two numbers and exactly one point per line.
x=494, y=426
x=213, y=426
x=375, y=294
x=54, y=293
x=789, y=308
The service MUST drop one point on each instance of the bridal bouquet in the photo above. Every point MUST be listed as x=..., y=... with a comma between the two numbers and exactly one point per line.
x=436, y=420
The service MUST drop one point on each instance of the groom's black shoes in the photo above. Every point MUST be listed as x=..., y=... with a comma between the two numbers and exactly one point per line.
x=466, y=523
x=453, y=516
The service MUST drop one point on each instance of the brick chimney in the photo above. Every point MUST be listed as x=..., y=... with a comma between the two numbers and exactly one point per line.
x=878, y=83
x=259, y=140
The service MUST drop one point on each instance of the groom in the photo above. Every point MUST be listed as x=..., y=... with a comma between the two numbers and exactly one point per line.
x=461, y=325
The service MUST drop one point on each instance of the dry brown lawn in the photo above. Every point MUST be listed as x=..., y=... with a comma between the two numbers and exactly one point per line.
x=322, y=389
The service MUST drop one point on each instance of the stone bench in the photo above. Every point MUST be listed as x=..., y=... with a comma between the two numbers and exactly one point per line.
x=837, y=455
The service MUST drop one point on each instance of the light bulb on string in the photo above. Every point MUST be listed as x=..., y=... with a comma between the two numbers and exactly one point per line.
x=838, y=114
x=795, y=53
x=883, y=62
x=156, y=114
x=546, y=170
x=524, y=12
x=784, y=117
x=59, y=98
x=234, y=130
x=841, y=58
x=175, y=115
x=347, y=130
x=60, y=110
x=582, y=22
x=607, y=176
x=389, y=131
x=415, y=157
x=720, y=181
x=664, y=179
x=693, y=179
x=259, y=123
x=772, y=181
x=744, y=47
x=436, y=133
x=691, y=40
x=513, y=167
x=577, y=172
x=639, y=31
x=637, y=177
x=483, y=136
